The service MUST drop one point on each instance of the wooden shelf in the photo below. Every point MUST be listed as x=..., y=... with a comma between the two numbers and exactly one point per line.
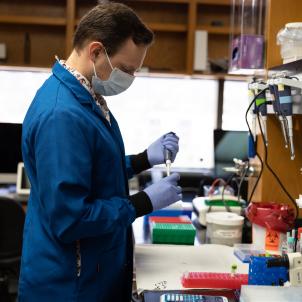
x=174, y=22
x=30, y=20
x=161, y=1
x=214, y=2
x=222, y=30
x=221, y=2
x=168, y=27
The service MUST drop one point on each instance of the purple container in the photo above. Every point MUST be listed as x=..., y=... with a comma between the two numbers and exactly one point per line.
x=247, y=52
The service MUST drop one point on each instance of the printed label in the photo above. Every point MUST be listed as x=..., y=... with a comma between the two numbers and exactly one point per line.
x=272, y=240
x=227, y=233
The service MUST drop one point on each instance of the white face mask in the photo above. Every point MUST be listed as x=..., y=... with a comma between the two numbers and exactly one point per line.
x=118, y=82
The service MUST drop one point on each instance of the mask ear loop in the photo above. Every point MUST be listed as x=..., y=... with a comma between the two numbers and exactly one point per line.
x=94, y=69
x=108, y=58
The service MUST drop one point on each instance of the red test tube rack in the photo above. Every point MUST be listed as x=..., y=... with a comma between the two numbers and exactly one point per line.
x=213, y=280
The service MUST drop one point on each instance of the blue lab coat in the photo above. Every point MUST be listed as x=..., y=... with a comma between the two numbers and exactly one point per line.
x=78, y=170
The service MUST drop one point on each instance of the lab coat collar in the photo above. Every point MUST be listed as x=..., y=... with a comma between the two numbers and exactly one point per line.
x=79, y=91
x=82, y=94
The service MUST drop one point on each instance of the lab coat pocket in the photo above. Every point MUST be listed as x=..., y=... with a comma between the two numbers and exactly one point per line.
x=101, y=272
x=110, y=266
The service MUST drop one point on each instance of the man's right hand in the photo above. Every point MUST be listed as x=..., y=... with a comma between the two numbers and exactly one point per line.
x=164, y=192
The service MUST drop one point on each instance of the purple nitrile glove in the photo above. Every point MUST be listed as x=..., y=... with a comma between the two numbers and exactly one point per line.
x=155, y=151
x=164, y=192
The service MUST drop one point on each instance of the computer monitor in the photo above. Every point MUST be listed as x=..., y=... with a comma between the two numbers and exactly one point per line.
x=23, y=184
x=10, y=151
x=227, y=146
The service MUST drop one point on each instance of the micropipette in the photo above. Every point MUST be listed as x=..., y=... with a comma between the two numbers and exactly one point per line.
x=286, y=108
x=168, y=160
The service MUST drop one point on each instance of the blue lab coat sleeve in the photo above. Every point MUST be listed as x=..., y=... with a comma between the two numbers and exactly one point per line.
x=63, y=161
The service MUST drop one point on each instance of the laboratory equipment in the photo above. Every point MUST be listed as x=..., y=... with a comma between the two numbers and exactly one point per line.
x=224, y=228
x=273, y=89
x=291, y=262
x=251, y=96
x=203, y=205
x=270, y=222
x=191, y=298
x=284, y=85
x=172, y=233
x=244, y=252
x=262, y=109
x=286, y=109
x=168, y=160
x=275, y=216
x=260, y=106
x=213, y=280
x=227, y=146
x=23, y=184
x=176, y=209
x=247, y=36
x=262, y=274
x=299, y=241
x=252, y=135
x=241, y=169
x=167, y=219
x=290, y=244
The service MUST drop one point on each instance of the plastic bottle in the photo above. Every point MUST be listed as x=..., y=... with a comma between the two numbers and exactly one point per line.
x=290, y=244
x=299, y=241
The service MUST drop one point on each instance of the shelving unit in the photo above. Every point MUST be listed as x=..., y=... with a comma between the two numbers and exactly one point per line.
x=288, y=170
x=173, y=21
x=29, y=20
x=33, y=31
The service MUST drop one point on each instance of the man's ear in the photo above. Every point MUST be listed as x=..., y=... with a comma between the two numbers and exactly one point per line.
x=95, y=49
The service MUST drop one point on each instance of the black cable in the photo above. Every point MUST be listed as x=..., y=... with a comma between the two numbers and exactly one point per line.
x=223, y=189
x=254, y=144
x=273, y=172
x=242, y=179
x=266, y=155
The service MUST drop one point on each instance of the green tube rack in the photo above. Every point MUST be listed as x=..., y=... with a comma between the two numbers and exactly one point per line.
x=173, y=233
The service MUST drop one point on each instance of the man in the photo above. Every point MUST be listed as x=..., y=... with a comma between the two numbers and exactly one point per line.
x=77, y=235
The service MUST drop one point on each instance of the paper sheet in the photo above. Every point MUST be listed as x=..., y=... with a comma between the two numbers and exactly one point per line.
x=161, y=266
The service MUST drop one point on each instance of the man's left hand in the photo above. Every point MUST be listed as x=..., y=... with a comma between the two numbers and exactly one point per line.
x=155, y=151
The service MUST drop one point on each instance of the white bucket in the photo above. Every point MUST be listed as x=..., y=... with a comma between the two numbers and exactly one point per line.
x=224, y=228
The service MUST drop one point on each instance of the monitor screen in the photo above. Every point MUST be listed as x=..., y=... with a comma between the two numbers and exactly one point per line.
x=10, y=147
x=23, y=184
x=227, y=146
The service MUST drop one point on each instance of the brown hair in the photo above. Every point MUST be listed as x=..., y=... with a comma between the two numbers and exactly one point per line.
x=112, y=24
